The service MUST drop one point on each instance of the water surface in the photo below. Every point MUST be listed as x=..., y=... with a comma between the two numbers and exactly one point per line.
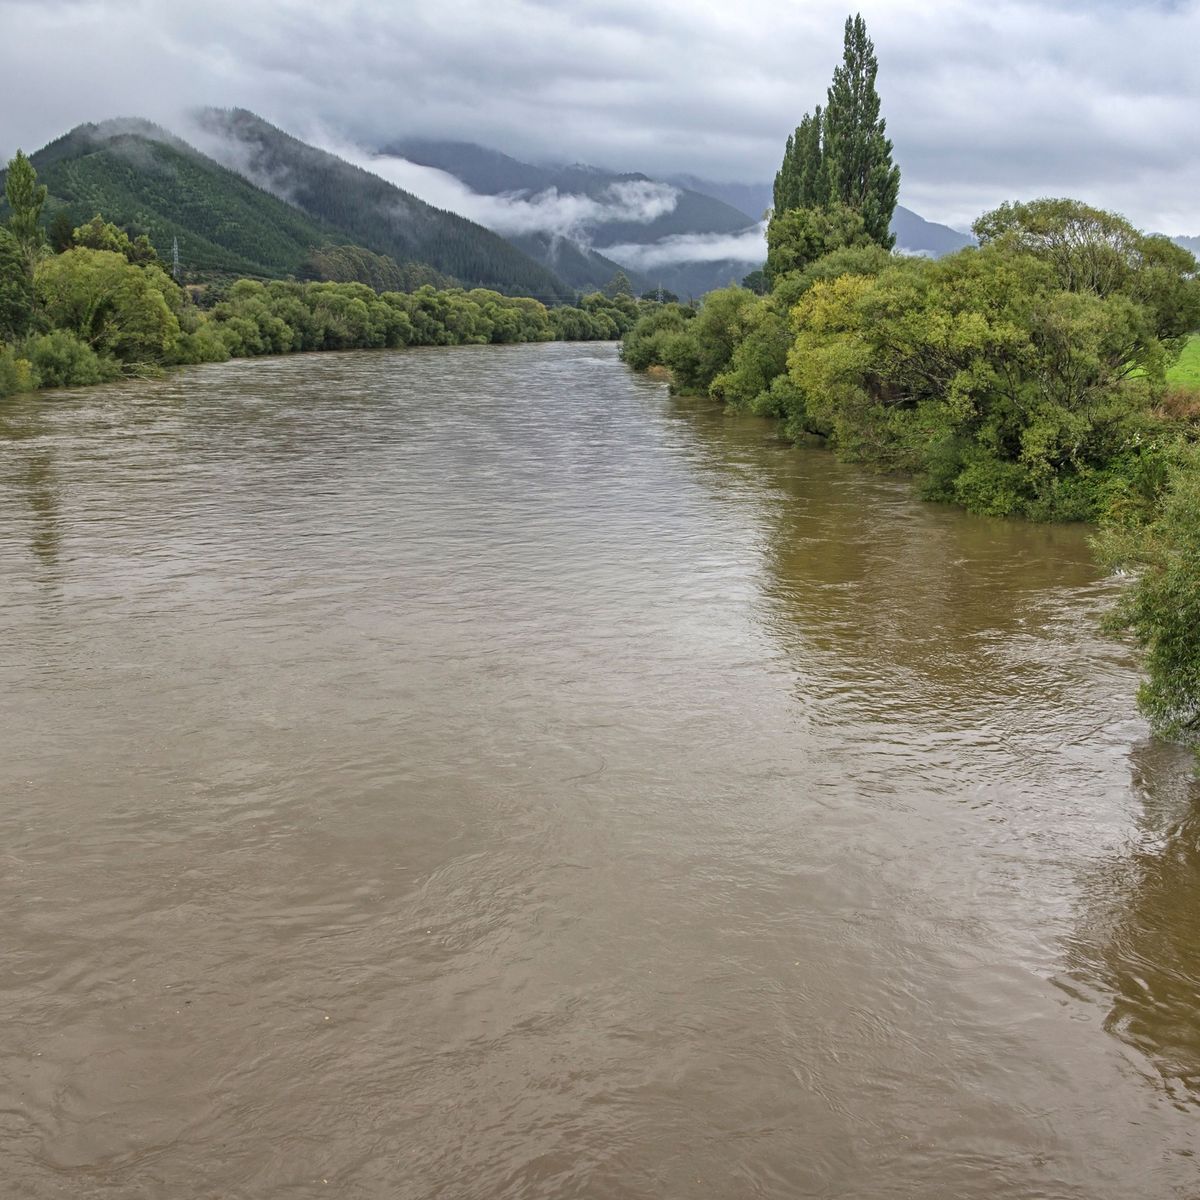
x=471, y=773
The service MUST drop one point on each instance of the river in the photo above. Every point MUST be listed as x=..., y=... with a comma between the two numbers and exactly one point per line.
x=473, y=773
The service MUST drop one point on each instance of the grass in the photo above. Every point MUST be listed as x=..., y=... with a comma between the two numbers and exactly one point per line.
x=1186, y=372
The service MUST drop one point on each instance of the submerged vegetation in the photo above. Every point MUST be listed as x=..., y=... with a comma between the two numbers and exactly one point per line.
x=92, y=304
x=1026, y=377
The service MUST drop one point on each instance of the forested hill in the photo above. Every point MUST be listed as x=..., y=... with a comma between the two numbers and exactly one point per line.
x=372, y=212
x=578, y=266
x=143, y=178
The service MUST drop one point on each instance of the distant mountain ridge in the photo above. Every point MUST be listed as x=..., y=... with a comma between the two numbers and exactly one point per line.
x=753, y=199
x=375, y=213
x=490, y=172
x=266, y=204
x=580, y=254
x=272, y=206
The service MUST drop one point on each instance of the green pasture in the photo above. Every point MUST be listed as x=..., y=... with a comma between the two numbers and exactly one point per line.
x=1186, y=372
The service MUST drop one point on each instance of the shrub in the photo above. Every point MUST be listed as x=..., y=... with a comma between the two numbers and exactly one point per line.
x=16, y=373
x=60, y=359
x=1161, y=609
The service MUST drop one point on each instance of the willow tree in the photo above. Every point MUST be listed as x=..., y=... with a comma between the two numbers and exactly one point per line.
x=841, y=155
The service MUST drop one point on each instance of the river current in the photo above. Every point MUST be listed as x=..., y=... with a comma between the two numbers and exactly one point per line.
x=475, y=774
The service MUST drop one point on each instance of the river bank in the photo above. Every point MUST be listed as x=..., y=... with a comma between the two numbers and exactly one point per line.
x=1023, y=378
x=97, y=318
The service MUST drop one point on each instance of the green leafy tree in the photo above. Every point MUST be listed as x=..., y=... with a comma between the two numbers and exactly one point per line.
x=1100, y=252
x=60, y=359
x=1161, y=609
x=757, y=282
x=857, y=152
x=802, y=181
x=643, y=346
x=99, y=234
x=16, y=288
x=25, y=200
x=660, y=295
x=618, y=285
x=62, y=233
x=841, y=155
x=759, y=357
x=703, y=349
x=800, y=236
x=119, y=310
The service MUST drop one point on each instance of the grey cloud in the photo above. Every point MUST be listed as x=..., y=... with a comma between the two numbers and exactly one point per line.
x=984, y=103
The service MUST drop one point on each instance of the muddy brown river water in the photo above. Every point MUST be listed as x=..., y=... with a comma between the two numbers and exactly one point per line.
x=473, y=774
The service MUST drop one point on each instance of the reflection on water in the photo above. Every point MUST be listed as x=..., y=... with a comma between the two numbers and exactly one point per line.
x=475, y=773
x=30, y=472
x=1137, y=946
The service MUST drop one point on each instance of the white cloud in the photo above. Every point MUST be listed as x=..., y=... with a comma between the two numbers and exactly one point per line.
x=563, y=214
x=749, y=246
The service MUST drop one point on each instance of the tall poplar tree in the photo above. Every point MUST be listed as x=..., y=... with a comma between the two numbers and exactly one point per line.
x=25, y=198
x=857, y=153
x=841, y=155
x=801, y=181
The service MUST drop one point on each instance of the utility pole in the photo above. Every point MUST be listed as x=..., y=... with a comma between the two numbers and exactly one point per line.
x=175, y=268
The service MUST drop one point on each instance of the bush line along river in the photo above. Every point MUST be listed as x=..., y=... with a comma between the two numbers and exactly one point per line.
x=474, y=772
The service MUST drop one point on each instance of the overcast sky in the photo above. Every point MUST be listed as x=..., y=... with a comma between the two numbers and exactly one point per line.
x=984, y=101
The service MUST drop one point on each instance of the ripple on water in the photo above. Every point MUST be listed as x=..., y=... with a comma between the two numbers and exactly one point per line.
x=475, y=773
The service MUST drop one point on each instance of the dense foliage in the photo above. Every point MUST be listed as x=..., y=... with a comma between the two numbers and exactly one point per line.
x=25, y=198
x=356, y=264
x=1162, y=609
x=1025, y=377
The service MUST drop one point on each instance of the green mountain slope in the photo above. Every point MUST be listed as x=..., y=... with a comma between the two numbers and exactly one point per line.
x=143, y=178
x=371, y=211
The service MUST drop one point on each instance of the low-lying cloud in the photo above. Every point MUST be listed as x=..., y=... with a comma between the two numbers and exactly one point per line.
x=560, y=214
x=749, y=246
